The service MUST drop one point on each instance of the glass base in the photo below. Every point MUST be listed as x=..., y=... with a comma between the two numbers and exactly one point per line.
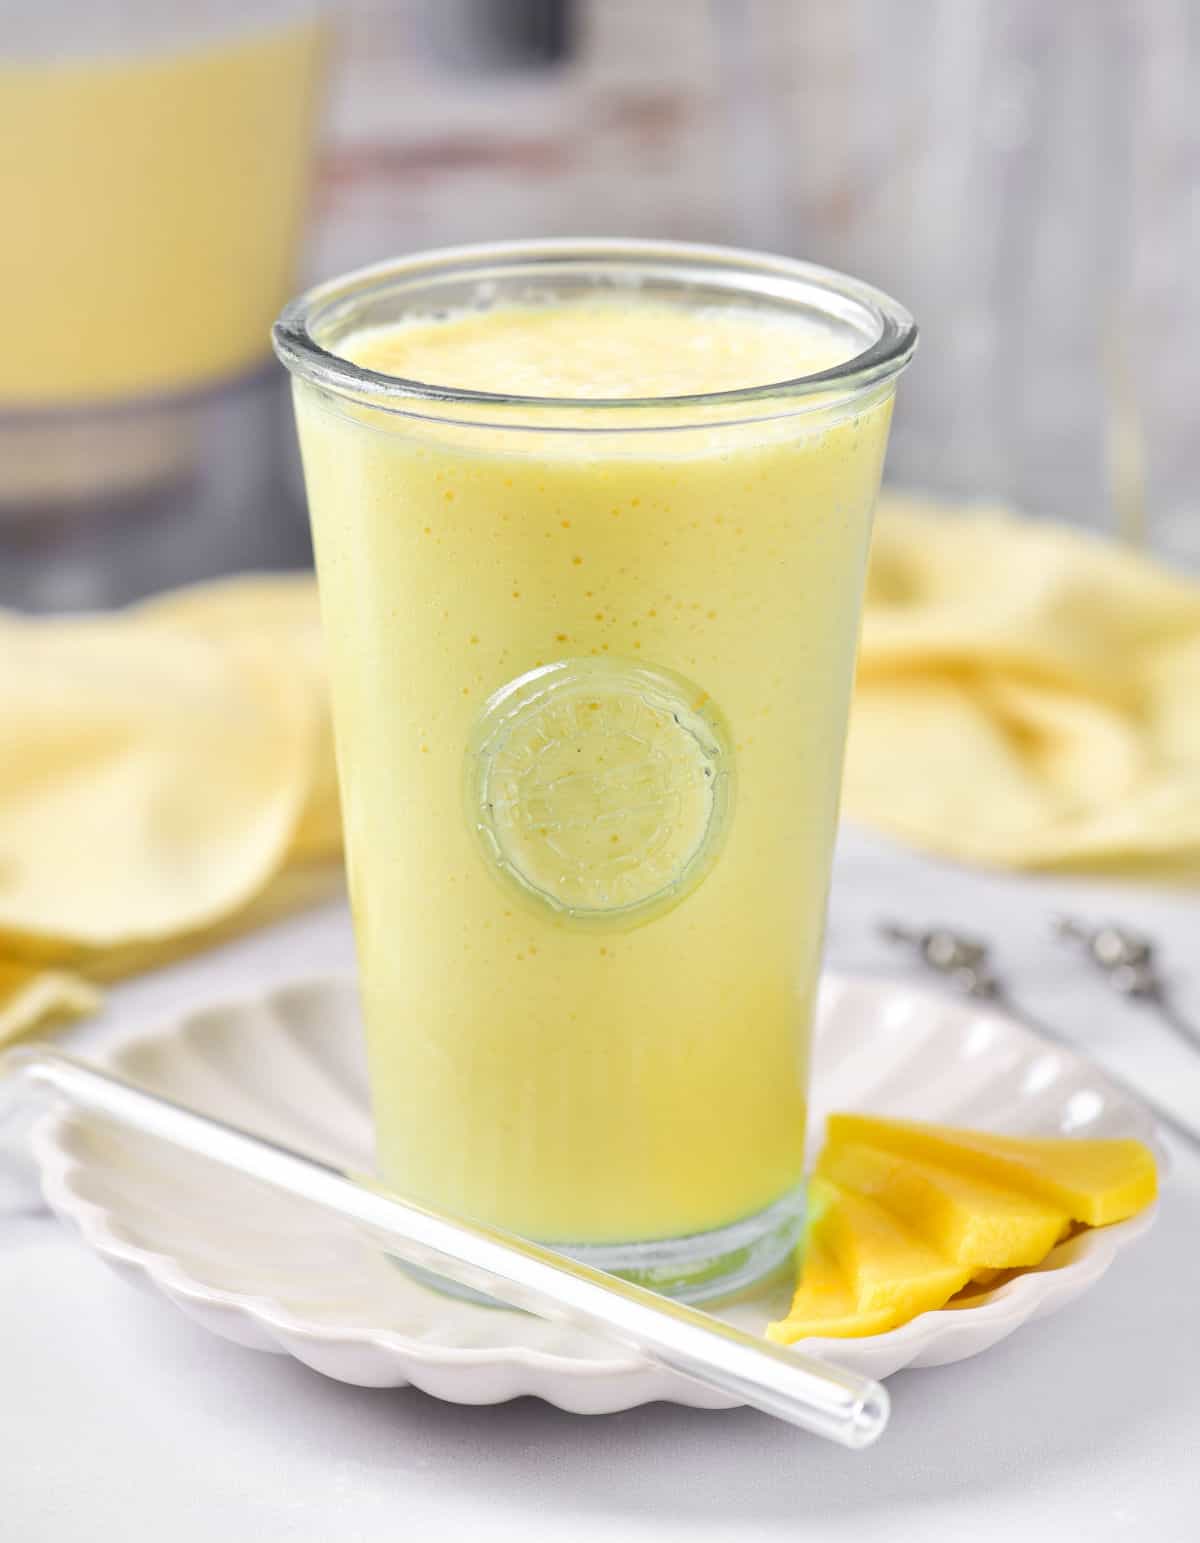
x=697, y=1268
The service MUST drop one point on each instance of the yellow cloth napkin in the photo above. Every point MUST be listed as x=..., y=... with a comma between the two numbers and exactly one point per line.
x=167, y=776
x=1027, y=697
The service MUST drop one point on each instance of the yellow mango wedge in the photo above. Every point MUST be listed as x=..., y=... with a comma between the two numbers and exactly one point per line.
x=824, y=1304
x=902, y=1216
x=966, y=1219
x=886, y=1266
x=1095, y=1182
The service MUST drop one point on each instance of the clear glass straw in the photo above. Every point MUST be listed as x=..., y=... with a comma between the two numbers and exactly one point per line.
x=818, y=1397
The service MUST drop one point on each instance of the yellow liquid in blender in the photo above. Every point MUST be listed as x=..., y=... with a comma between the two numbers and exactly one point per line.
x=535, y=1064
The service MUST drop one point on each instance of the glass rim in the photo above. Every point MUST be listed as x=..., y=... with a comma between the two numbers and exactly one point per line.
x=742, y=272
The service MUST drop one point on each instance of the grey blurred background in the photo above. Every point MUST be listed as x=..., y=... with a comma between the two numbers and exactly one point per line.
x=1025, y=175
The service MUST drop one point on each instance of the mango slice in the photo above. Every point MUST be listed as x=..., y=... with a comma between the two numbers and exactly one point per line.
x=964, y=1218
x=902, y=1216
x=825, y=1305
x=1096, y=1182
x=886, y=1266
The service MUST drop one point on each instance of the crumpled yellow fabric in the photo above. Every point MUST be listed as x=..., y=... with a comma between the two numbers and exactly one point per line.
x=166, y=777
x=1027, y=698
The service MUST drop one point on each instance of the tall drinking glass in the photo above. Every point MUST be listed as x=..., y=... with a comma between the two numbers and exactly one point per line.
x=591, y=520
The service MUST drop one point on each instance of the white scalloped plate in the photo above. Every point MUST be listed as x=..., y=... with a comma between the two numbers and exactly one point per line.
x=275, y=1274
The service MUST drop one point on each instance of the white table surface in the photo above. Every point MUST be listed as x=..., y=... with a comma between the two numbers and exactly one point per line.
x=120, y=1421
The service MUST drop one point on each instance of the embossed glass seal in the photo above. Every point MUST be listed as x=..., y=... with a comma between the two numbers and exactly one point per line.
x=601, y=788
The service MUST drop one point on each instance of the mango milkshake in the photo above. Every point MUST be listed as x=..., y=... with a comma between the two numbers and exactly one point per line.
x=152, y=203
x=590, y=691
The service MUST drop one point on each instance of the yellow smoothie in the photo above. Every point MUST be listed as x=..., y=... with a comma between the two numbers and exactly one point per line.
x=152, y=204
x=590, y=698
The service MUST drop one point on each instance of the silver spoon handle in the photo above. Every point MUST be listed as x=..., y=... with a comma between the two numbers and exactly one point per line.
x=826, y=1400
x=964, y=962
x=1127, y=961
x=1161, y=1113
